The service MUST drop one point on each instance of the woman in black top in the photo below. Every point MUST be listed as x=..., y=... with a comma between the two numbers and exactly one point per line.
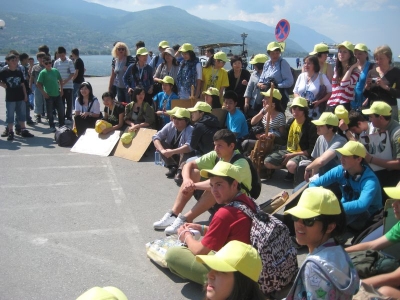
x=238, y=79
x=383, y=81
x=113, y=112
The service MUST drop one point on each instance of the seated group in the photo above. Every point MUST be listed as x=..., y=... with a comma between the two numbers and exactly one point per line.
x=353, y=162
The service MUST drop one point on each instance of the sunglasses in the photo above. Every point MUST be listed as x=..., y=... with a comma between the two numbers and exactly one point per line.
x=307, y=222
x=121, y=49
x=47, y=63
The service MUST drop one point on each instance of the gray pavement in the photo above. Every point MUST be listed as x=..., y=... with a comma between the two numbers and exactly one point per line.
x=72, y=221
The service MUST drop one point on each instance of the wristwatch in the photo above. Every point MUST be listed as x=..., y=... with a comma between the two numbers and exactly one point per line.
x=345, y=131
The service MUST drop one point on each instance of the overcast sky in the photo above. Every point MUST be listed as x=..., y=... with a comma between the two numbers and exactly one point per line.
x=373, y=22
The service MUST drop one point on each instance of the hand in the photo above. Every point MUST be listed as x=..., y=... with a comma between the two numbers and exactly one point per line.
x=244, y=82
x=307, y=175
x=261, y=86
x=194, y=226
x=316, y=103
x=188, y=186
x=167, y=153
x=107, y=130
x=287, y=157
x=342, y=125
x=150, y=91
x=134, y=127
x=182, y=234
x=160, y=112
x=246, y=107
x=130, y=91
x=84, y=115
x=46, y=96
x=25, y=99
x=382, y=83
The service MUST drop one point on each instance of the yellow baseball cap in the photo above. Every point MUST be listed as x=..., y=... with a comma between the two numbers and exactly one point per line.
x=342, y=113
x=361, y=47
x=380, y=108
x=315, y=201
x=105, y=293
x=163, y=44
x=186, y=47
x=327, y=118
x=318, y=48
x=221, y=56
x=223, y=169
x=299, y=101
x=142, y=51
x=273, y=46
x=201, y=106
x=393, y=192
x=181, y=113
x=347, y=45
x=172, y=111
x=276, y=94
x=353, y=148
x=168, y=79
x=235, y=256
x=259, y=59
x=212, y=91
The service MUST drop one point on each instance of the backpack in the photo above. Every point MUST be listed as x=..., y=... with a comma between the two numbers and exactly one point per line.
x=65, y=137
x=255, y=179
x=272, y=240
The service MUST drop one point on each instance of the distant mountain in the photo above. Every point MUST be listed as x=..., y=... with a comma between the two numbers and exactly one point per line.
x=94, y=28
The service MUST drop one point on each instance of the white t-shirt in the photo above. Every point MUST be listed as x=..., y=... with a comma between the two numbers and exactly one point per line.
x=94, y=109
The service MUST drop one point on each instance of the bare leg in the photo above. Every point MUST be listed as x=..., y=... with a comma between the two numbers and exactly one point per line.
x=183, y=196
x=205, y=202
x=291, y=167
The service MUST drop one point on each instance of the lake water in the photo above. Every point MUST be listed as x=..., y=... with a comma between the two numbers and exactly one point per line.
x=100, y=65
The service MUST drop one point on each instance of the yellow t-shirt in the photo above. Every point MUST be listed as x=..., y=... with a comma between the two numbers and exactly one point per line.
x=293, y=142
x=215, y=78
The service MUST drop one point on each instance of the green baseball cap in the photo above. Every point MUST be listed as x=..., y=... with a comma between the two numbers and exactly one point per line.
x=379, y=108
x=327, y=118
x=201, y=106
x=318, y=48
x=223, y=169
x=353, y=148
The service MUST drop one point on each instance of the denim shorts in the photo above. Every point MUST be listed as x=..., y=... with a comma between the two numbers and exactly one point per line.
x=18, y=107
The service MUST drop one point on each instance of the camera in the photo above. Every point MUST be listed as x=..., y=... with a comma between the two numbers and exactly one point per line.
x=310, y=105
x=374, y=80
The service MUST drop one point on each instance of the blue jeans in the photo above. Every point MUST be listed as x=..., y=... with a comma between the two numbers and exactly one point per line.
x=39, y=103
x=55, y=102
x=17, y=107
x=75, y=94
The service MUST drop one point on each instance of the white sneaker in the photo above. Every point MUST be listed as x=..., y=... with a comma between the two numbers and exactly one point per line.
x=173, y=228
x=165, y=221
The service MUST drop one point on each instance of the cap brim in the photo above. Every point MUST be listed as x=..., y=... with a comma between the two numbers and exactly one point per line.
x=193, y=109
x=344, y=152
x=313, y=53
x=367, y=112
x=318, y=122
x=393, y=192
x=273, y=49
x=301, y=212
x=214, y=262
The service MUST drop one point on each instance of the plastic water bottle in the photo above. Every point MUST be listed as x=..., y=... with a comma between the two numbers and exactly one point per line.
x=157, y=158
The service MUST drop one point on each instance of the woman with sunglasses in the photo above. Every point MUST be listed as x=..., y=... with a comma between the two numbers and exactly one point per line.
x=121, y=60
x=214, y=75
x=327, y=271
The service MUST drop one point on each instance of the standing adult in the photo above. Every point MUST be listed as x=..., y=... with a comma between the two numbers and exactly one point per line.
x=67, y=70
x=78, y=78
x=169, y=67
x=364, y=65
x=214, y=75
x=321, y=51
x=190, y=73
x=345, y=78
x=276, y=70
x=252, y=97
x=308, y=85
x=159, y=59
x=40, y=107
x=122, y=59
x=238, y=78
x=140, y=74
x=383, y=81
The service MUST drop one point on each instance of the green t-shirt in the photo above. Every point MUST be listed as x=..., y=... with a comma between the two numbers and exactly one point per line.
x=207, y=161
x=393, y=235
x=49, y=80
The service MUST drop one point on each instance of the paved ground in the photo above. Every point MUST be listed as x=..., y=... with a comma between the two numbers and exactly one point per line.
x=72, y=221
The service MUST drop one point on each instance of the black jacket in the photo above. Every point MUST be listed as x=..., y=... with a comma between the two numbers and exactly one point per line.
x=308, y=135
x=203, y=132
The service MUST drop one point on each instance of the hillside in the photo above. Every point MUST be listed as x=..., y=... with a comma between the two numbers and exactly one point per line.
x=94, y=28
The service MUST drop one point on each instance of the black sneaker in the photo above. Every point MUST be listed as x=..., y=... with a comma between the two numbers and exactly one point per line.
x=289, y=177
x=5, y=132
x=10, y=136
x=52, y=128
x=25, y=133
x=171, y=173
x=18, y=131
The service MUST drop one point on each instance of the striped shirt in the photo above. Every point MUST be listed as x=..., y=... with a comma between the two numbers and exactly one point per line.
x=343, y=92
x=66, y=68
x=275, y=123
